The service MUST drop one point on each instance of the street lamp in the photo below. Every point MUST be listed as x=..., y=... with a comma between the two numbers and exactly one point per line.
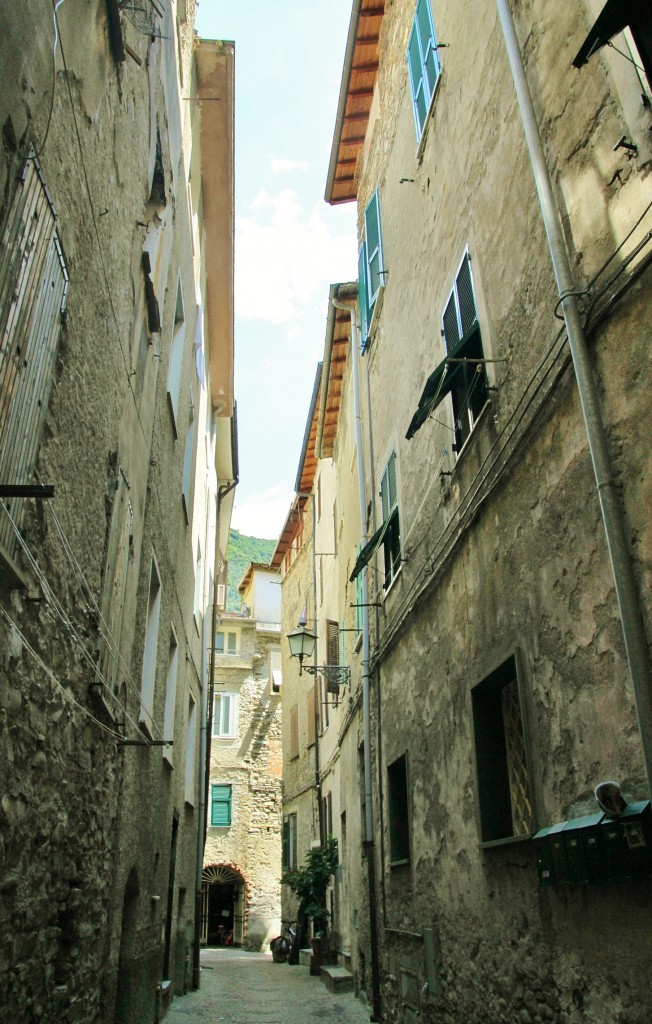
x=302, y=646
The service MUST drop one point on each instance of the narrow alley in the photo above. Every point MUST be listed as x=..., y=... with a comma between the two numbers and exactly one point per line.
x=249, y=988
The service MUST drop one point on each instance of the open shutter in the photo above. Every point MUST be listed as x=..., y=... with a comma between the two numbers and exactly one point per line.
x=388, y=493
x=362, y=296
x=373, y=236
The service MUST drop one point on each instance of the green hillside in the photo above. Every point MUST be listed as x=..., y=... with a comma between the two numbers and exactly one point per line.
x=241, y=551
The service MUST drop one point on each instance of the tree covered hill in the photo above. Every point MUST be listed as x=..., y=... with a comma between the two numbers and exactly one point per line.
x=241, y=551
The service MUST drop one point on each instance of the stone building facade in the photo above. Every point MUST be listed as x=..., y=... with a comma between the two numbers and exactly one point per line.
x=242, y=857
x=116, y=393
x=501, y=688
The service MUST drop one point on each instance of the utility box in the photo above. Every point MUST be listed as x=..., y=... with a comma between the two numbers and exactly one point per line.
x=576, y=835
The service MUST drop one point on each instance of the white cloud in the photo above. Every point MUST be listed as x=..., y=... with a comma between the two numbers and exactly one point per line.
x=286, y=255
x=262, y=515
x=281, y=165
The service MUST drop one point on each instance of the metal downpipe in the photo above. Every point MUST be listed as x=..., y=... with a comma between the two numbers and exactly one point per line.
x=366, y=708
x=612, y=516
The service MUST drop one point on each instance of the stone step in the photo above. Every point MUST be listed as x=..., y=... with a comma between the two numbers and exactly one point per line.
x=304, y=957
x=337, y=979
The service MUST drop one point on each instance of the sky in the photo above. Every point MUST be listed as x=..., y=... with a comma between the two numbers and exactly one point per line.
x=290, y=245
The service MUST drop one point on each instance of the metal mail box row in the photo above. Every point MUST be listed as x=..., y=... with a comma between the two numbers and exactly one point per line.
x=596, y=848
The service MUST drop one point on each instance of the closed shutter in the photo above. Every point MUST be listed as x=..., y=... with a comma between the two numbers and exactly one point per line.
x=33, y=287
x=221, y=805
x=285, y=863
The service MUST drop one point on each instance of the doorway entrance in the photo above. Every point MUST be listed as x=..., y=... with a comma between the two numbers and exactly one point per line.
x=223, y=906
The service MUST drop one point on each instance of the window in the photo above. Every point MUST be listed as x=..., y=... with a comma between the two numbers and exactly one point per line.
x=225, y=715
x=332, y=642
x=275, y=672
x=221, y=805
x=359, y=611
x=170, y=696
x=294, y=731
x=371, y=268
x=423, y=63
x=151, y=643
x=176, y=356
x=461, y=331
x=505, y=805
x=33, y=288
x=226, y=642
x=398, y=818
x=187, y=464
x=191, y=743
x=199, y=588
x=392, y=534
x=290, y=862
x=310, y=715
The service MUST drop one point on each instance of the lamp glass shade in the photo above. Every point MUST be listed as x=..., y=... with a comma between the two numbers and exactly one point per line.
x=302, y=643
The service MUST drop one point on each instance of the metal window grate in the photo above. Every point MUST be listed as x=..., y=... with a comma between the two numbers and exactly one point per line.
x=33, y=287
x=519, y=786
x=141, y=13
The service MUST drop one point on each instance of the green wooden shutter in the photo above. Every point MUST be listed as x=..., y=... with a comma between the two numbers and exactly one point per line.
x=362, y=297
x=221, y=805
x=423, y=63
x=286, y=845
x=374, y=242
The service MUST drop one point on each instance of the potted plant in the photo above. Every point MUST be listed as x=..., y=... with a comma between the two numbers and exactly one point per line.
x=309, y=884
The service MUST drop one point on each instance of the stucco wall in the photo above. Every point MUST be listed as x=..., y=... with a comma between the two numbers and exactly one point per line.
x=503, y=546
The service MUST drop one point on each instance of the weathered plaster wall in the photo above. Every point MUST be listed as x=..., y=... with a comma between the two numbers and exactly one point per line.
x=506, y=555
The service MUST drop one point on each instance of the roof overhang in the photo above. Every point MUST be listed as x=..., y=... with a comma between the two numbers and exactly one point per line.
x=356, y=95
x=215, y=69
x=336, y=353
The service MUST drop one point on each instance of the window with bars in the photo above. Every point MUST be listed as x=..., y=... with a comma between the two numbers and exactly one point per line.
x=371, y=268
x=225, y=715
x=221, y=805
x=391, y=526
x=463, y=341
x=33, y=289
x=503, y=787
x=423, y=64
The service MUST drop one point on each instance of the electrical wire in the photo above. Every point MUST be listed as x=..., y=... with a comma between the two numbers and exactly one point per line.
x=151, y=441
x=50, y=674
x=55, y=604
x=55, y=8
x=429, y=567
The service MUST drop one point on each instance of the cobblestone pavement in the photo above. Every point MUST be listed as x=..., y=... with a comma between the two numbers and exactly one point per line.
x=249, y=988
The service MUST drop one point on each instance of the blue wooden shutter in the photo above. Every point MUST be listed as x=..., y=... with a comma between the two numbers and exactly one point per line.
x=374, y=249
x=362, y=296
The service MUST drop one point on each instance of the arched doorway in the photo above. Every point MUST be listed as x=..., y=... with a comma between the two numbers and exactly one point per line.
x=223, y=905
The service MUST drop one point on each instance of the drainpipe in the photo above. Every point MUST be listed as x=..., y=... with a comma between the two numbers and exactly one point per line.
x=612, y=517
x=317, y=701
x=366, y=714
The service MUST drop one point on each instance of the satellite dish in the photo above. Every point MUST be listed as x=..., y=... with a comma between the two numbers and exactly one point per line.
x=610, y=798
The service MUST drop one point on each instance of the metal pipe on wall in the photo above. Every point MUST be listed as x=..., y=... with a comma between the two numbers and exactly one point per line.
x=366, y=709
x=612, y=516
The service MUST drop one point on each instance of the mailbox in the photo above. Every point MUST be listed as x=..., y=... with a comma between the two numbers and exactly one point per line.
x=577, y=835
x=596, y=848
x=543, y=852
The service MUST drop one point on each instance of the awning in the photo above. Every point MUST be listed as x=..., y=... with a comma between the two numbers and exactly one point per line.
x=369, y=549
x=614, y=17
x=439, y=383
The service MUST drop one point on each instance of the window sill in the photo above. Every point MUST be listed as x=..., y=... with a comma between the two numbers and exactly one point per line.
x=507, y=841
x=358, y=643
x=399, y=863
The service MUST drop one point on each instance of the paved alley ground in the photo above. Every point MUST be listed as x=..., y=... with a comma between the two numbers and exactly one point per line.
x=249, y=988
